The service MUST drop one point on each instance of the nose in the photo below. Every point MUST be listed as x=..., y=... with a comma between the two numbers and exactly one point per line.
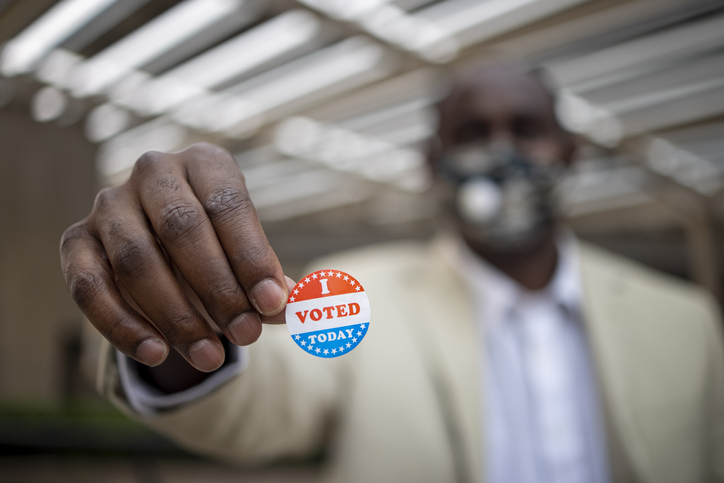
x=501, y=143
x=500, y=148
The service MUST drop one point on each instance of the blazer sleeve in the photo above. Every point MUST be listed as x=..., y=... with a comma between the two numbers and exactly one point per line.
x=715, y=403
x=279, y=407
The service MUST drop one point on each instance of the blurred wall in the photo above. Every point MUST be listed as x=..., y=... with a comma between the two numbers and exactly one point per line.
x=47, y=182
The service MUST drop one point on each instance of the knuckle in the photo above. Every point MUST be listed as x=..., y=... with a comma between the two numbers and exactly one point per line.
x=208, y=150
x=223, y=201
x=226, y=296
x=117, y=333
x=211, y=159
x=114, y=227
x=166, y=184
x=256, y=257
x=147, y=162
x=123, y=334
x=180, y=326
x=130, y=258
x=255, y=252
x=84, y=286
x=71, y=234
x=178, y=219
x=106, y=199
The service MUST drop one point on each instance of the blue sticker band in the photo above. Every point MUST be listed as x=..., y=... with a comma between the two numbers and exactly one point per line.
x=331, y=343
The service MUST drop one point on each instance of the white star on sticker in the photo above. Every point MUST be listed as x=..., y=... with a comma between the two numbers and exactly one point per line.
x=310, y=348
x=296, y=292
x=317, y=351
x=326, y=351
x=357, y=288
x=359, y=333
x=354, y=340
x=301, y=285
x=341, y=349
x=307, y=280
x=296, y=336
x=304, y=342
x=324, y=274
x=351, y=282
x=349, y=345
x=346, y=278
x=338, y=275
x=314, y=275
x=291, y=299
x=334, y=351
x=362, y=326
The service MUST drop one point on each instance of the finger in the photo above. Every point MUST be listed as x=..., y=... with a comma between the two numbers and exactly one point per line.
x=226, y=201
x=279, y=318
x=186, y=234
x=244, y=329
x=249, y=327
x=90, y=281
x=141, y=268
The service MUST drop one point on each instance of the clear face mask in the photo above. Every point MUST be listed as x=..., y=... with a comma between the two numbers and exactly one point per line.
x=499, y=197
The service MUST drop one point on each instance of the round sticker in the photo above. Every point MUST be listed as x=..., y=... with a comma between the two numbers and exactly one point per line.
x=328, y=313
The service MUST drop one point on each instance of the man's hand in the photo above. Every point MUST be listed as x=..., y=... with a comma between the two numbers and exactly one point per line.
x=182, y=218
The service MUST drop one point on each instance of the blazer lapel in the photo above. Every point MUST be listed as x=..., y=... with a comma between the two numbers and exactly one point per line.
x=450, y=345
x=610, y=320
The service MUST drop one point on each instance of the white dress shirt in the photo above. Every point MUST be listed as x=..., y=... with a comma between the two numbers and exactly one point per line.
x=542, y=416
x=543, y=422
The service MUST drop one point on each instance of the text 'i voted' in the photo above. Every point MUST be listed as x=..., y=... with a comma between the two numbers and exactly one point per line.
x=328, y=313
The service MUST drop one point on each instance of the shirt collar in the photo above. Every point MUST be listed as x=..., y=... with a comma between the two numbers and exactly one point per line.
x=496, y=288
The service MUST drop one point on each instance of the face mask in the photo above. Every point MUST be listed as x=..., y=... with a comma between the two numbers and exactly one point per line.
x=499, y=197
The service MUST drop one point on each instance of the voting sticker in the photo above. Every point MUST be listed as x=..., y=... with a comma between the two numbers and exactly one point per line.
x=328, y=313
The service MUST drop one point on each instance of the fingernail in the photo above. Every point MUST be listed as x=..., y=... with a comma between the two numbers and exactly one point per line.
x=245, y=329
x=152, y=352
x=290, y=283
x=205, y=355
x=268, y=297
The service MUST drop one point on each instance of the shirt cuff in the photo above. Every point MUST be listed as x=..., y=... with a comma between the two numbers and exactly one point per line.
x=147, y=400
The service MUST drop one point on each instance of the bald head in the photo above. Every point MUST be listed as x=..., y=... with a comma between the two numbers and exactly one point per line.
x=504, y=104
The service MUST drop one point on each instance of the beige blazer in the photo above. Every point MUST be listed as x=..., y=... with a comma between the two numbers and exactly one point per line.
x=405, y=406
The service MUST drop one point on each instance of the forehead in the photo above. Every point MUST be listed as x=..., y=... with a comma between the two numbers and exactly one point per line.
x=496, y=93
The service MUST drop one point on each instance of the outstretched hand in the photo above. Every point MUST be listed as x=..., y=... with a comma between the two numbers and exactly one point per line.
x=173, y=251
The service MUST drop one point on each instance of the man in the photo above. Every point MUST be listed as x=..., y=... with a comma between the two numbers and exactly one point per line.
x=504, y=351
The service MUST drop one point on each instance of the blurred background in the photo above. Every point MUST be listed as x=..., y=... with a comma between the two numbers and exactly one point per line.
x=326, y=106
